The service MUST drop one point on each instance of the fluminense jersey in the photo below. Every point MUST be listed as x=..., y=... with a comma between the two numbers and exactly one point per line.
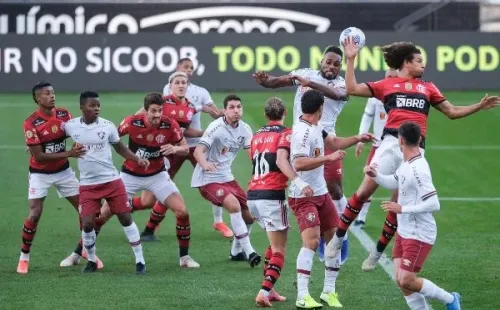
x=96, y=166
x=223, y=143
x=331, y=108
x=308, y=141
x=199, y=97
x=414, y=186
x=374, y=113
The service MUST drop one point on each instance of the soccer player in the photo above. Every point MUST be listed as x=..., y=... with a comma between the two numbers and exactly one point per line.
x=270, y=149
x=328, y=81
x=202, y=101
x=49, y=165
x=99, y=178
x=417, y=201
x=406, y=98
x=215, y=153
x=315, y=215
x=374, y=113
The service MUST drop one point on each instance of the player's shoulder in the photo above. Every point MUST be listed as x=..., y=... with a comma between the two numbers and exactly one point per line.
x=74, y=121
x=62, y=113
x=30, y=120
x=105, y=123
x=135, y=120
x=167, y=122
x=301, y=127
x=419, y=164
x=215, y=125
x=168, y=99
x=245, y=127
x=197, y=88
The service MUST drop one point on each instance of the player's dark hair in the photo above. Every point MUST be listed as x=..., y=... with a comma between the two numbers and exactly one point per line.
x=183, y=60
x=231, y=97
x=333, y=49
x=397, y=53
x=410, y=132
x=37, y=87
x=311, y=101
x=88, y=94
x=274, y=108
x=152, y=98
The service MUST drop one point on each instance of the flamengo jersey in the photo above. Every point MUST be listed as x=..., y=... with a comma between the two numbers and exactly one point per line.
x=182, y=113
x=406, y=100
x=331, y=108
x=199, y=97
x=96, y=166
x=40, y=129
x=146, y=141
x=307, y=141
x=223, y=143
x=414, y=186
x=376, y=114
x=268, y=182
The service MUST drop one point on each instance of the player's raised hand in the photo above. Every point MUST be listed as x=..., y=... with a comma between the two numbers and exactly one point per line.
x=367, y=137
x=143, y=162
x=303, y=81
x=308, y=191
x=168, y=149
x=260, y=77
x=338, y=155
x=489, y=102
x=391, y=206
x=350, y=48
x=359, y=149
x=77, y=150
x=370, y=171
x=209, y=167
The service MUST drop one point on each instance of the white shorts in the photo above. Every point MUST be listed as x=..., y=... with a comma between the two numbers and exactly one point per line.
x=159, y=184
x=271, y=215
x=388, y=156
x=65, y=182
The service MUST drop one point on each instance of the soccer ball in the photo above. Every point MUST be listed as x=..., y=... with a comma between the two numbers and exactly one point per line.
x=356, y=33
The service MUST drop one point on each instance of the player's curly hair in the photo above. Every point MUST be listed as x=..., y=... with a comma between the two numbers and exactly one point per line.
x=333, y=49
x=397, y=53
x=274, y=109
x=152, y=98
x=37, y=87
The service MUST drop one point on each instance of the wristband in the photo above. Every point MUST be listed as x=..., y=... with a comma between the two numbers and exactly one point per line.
x=299, y=183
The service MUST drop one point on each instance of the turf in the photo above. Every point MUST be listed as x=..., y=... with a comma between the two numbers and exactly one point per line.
x=465, y=257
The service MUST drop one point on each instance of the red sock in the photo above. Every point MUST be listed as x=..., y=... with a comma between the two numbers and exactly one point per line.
x=157, y=215
x=137, y=204
x=183, y=228
x=354, y=205
x=390, y=228
x=27, y=235
x=267, y=257
x=273, y=271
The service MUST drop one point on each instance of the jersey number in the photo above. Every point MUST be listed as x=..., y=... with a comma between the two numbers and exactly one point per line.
x=261, y=166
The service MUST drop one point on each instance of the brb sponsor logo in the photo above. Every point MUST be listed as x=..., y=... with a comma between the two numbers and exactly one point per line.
x=55, y=147
x=219, y=19
x=403, y=102
x=142, y=153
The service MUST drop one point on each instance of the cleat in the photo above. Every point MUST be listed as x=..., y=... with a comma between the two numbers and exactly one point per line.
x=23, y=266
x=254, y=259
x=72, y=260
x=332, y=299
x=90, y=267
x=456, y=303
x=262, y=301
x=188, y=262
x=371, y=261
x=344, y=251
x=359, y=223
x=308, y=303
x=140, y=268
x=149, y=237
x=274, y=296
x=333, y=247
x=321, y=250
x=100, y=265
x=223, y=229
x=240, y=257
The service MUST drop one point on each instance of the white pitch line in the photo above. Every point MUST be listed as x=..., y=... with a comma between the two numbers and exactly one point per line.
x=467, y=199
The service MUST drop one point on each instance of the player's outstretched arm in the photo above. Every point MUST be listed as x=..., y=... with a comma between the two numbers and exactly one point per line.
x=283, y=162
x=387, y=181
x=212, y=110
x=267, y=81
x=190, y=132
x=327, y=91
x=36, y=150
x=353, y=88
x=338, y=143
x=456, y=112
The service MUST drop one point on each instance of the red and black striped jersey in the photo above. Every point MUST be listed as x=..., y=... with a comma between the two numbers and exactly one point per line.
x=181, y=112
x=268, y=182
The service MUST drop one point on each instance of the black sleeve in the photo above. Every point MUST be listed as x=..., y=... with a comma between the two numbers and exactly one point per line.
x=325, y=134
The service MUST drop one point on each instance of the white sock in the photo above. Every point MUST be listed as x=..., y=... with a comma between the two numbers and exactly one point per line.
x=364, y=211
x=249, y=229
x=89, y=244
x=24, y=256
x=217, y=211
x=236, y=247
x=416, y=301
x=134, y=238
x=241, y=232
x=332, y=266
x=431, y=290
x=304, y=267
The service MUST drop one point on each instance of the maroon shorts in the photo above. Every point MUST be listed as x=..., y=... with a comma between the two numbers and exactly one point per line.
x=370, y=155
x=113, y=192
x=315, y=211
x=333, y=169
x=217, y=192
x=176, y=162
x=412, y=253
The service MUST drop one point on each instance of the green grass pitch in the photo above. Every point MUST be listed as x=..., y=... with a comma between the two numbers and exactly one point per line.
x=465, y=257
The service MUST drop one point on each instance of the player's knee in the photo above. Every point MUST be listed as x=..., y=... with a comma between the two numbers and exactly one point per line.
x=35, y=213
x=311, y=243
x=407, y=281
x=125, y=219
x=231, y=204
x=247, y=216
x=335, y=190
x=182, y=213
x=148, y=199
x=87, y=224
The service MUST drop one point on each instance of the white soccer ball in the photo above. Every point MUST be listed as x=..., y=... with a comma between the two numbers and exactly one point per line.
x=356, y=33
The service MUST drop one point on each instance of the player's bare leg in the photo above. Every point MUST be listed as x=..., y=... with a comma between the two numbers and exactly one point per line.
x=415, y=301
x=176, y=203
x=354, y=205
x=148, y=200
x=336, y=191
x=310, y=243
x=28, y=233
x=134, y=238
x=241, y=220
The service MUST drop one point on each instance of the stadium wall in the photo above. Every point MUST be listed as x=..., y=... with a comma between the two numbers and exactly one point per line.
x=455, y=61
